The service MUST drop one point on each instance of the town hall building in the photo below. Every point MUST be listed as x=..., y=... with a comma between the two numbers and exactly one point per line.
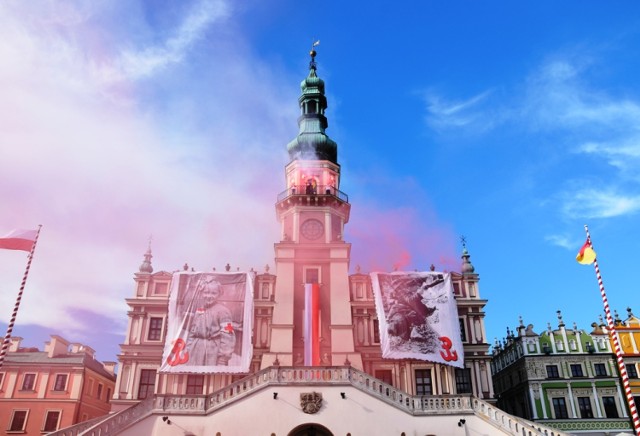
x=314, y=345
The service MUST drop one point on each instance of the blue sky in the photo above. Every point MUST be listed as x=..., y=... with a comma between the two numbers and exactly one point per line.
x=513, y=124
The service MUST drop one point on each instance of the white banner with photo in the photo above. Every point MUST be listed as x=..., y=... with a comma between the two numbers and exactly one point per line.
x=210, y=323
x=418, y=317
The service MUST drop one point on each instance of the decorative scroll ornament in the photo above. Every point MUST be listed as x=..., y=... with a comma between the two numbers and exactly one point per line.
x=311, y=402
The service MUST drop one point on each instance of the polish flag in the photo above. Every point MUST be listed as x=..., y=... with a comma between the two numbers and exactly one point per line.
x=312, y=324
x=19, y=240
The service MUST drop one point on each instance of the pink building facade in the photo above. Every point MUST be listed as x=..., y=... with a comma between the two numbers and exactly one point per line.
x=45, y=390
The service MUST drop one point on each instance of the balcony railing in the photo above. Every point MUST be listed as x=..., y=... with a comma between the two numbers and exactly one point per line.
x=415, y=405
x=308, y=190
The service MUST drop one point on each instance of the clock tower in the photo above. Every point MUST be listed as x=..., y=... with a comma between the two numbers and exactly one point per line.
x=312, y=212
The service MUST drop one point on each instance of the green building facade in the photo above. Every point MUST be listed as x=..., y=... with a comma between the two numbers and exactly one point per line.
x=565, y=378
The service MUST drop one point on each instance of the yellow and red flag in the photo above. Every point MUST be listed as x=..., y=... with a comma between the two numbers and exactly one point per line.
x=586, y=255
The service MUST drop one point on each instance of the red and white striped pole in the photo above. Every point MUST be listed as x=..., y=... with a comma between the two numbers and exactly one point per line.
x=616, y=344
x=14, y=314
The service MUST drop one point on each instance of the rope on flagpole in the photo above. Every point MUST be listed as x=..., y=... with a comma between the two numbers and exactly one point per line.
x=7, y=338
x=616, y=344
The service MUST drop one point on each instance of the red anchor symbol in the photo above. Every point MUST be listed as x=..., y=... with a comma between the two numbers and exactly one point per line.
x=176, y=357
x=446, y=346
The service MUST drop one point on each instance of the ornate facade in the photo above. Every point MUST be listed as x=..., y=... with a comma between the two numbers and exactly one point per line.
x=564, y=378
x=353, y=390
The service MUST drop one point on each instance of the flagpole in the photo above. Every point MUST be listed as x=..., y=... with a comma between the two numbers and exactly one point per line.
x=616, y=344
x=7, y=338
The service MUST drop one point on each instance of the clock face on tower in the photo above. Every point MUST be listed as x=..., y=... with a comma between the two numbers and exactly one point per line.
x=312, y=229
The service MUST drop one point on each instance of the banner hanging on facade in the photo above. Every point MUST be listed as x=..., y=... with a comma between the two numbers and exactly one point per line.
x=210, y=323
x=418, y=317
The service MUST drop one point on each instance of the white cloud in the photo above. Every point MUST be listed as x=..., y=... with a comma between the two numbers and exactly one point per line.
x=599, y=203
x=558, y=98
x=562, y=241
x=623, y=154
x=469, y=113
x=140, y=63
x=101, y=176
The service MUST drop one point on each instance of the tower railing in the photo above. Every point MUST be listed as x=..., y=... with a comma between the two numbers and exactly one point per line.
x=318, y=190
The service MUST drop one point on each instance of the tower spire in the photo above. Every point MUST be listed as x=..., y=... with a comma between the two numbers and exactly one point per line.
x=312, y=143
x=146, y=267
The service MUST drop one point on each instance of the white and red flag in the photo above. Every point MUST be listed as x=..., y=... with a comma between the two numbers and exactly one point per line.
x=19, y=239
x=312, y=324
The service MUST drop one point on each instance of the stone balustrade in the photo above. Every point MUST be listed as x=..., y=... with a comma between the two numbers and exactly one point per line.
x=317, y=376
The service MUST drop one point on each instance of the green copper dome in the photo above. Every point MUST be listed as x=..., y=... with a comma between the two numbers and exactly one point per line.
x=312, y=143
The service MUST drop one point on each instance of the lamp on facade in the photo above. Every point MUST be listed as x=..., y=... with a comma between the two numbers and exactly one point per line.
x=185, y=432
x=275, y=395
x=461, y=422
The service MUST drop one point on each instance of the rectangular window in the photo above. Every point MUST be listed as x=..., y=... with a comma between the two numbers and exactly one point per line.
x=61, y=382
x=18, y=420
x=376, y=331
x=29, y=382
x=576, y=370
x=312, y=275
x=560, y=408
x=89, y=390
x=552, y=371
x=155, y=329
x=160, y=288
x=384, y=375
x=463, y=332
x=147, y=383
x=108, y=398
x=610, y=409
x=1, y=379
x=463, y=380
x=600, y=370
x=359, y=292
x=631, y=370
x=99, y=393
x=423, y=382
x=51, y=420
x=195, y=384
x=585, y=407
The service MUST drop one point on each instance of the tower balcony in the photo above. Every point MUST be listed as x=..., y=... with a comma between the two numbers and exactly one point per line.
x=318, y=192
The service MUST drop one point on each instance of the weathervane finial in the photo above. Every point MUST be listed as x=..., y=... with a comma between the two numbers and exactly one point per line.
x=312, y=64
x=463, y=240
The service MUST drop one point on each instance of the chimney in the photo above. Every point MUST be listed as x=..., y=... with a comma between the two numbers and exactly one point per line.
x=15, y=343
x=76, y=347
x=110, y=367
x=56, y=346
x=89, y=351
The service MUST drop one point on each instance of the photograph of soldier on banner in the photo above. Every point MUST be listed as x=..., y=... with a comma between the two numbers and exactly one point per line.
x=418, y=316
x=209, y=324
